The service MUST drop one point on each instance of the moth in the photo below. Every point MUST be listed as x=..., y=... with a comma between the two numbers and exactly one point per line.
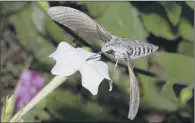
x=120, y=47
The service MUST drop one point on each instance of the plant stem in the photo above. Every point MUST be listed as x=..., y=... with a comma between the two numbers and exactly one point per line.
x=50, y=87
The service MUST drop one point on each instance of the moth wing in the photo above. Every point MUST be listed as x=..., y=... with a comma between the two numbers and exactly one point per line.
x=134, y=93
x=79, y=22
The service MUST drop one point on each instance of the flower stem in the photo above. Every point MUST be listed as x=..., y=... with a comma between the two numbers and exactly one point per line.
x=53, y=84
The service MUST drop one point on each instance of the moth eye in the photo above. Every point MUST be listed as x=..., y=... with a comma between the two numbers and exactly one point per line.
x=105, y=45
x=130, y=49
x=110, y=51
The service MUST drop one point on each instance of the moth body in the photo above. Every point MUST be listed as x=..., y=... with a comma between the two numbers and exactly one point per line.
x=121, y=47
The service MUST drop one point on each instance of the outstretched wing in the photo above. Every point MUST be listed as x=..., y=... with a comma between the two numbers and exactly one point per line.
x=79, y=22
x=134, y=93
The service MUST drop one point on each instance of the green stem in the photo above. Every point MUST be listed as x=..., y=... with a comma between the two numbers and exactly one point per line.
x=53, y=84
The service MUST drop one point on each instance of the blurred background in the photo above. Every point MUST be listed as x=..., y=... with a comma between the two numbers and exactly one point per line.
x=166, y=78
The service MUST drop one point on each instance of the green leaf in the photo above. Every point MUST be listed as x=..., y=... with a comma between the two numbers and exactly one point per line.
x=121, y=19
x=94, y=6
x=56, y=32
x=152, y=98
x=36, y=112
x=45, y=25
x=185, y=95
x=173, y=11
x=8, y=109
x=186, y=30
x=178, y=68
x=141, y=63
x=12, y=7
x=185, y=114
x=44, y=5
x=167, y=91
x=38, y=17
x=74, y=108
x=190, y=4
x=186, y=111
x=186, y=48
x=158, y=25
x=28, y=36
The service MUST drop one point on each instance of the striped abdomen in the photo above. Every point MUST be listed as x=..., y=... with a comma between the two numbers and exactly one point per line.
x=139, y=49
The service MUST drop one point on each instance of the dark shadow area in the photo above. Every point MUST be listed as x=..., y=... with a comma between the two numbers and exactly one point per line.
x=187, y=12
x=167, y=45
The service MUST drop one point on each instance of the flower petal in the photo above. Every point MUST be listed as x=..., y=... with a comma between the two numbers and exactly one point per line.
x=66, y=68
x=38, y=81
x=69, y=60
x=63, y=51
x=28, y=80
x=90, y=78
x=100, y=67
x=85, y=54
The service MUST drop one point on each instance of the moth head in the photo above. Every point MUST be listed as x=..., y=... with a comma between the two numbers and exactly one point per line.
x=106, y=48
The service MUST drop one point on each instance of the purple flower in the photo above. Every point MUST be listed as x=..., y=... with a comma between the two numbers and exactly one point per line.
x=30, y=83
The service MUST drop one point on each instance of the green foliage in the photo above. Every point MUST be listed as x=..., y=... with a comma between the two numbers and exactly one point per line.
x=158, y=26
x=186, y=48
x=12, y=7
x=38, y=17
x=186, y=30
x=173, y=11
x=94, y=6
x=71, y=106
x=154, y=99
x=174, y=66
x=116, y=19
x=44, y=5
x=190, y=4
x=56, y=32
x=28, y=35
x=185, y=95
x=8, y=109
x=162, y=22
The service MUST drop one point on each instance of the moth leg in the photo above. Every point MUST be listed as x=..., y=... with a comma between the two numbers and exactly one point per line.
x=132, y=64
x=110, y=82
x=93, y=56
x=115, y=66
x=110, y=85
x=128, y=59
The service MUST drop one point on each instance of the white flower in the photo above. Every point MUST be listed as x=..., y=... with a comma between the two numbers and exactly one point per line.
x=70, y=59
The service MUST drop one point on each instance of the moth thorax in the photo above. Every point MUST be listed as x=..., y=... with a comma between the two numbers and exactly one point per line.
x=113, y=38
